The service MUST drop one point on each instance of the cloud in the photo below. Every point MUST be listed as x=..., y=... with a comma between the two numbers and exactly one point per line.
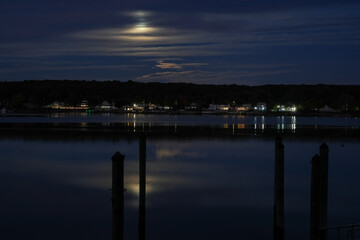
x=159, y=34
x=162, y=59
x=84, y=67
x=215, y=76
x=167, y=76
x=166, y=65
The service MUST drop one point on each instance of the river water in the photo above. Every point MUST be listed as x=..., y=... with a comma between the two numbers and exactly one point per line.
x=56, y=185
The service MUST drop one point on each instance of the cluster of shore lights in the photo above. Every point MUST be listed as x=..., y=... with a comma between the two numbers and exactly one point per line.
x=283, y=108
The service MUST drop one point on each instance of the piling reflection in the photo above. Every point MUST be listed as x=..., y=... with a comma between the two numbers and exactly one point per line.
x=117, y=199
x=142, y=187
x=118, y=192
x=279, y=190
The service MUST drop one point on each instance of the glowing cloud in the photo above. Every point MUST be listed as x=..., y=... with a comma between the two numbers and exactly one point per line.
x=165, y=65
x=139, y=29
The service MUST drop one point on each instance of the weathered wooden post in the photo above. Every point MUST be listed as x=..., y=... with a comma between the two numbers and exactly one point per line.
x=142, y=168
x=315, y=199
x=324, y=164
x=279, y=191
x=118, y=196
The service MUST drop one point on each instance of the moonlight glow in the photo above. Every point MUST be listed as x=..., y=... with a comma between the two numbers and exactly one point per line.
x=239, y=42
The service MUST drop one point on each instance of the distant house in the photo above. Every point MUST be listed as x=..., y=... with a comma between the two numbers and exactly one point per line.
x=216, y=108
x=285, y=108
x=243, y=108
x=138, y=107
x=61, y=106
x=106, y=106
x=84, y=104
x=152, y=106
x=127, y=108
x=167, y=108
x=192, y=107
x=326, y=108
x=56, y=105
x=219, y=107
x=260, y=106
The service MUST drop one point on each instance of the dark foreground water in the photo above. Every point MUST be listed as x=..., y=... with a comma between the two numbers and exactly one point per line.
x=57, y=185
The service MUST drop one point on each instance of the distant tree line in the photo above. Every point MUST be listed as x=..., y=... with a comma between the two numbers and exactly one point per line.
x=34, y=94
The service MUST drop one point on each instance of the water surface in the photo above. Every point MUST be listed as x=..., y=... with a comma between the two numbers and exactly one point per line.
x=197, y=187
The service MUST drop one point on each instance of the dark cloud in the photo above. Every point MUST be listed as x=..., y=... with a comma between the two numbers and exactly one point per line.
x=24, y=20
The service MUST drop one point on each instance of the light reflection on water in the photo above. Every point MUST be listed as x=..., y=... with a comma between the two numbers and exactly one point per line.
x=208, y=189
x=257, y=121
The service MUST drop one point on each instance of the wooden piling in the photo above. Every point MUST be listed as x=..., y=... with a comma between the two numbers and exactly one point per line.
x=117, y=196
x=315, y=198
x=279, y=191
x=324, y=165
x=142, y=180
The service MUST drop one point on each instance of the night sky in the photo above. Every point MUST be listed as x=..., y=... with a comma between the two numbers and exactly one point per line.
x=250, y=42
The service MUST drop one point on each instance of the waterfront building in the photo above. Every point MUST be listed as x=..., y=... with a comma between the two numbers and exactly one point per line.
x=260, y=106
